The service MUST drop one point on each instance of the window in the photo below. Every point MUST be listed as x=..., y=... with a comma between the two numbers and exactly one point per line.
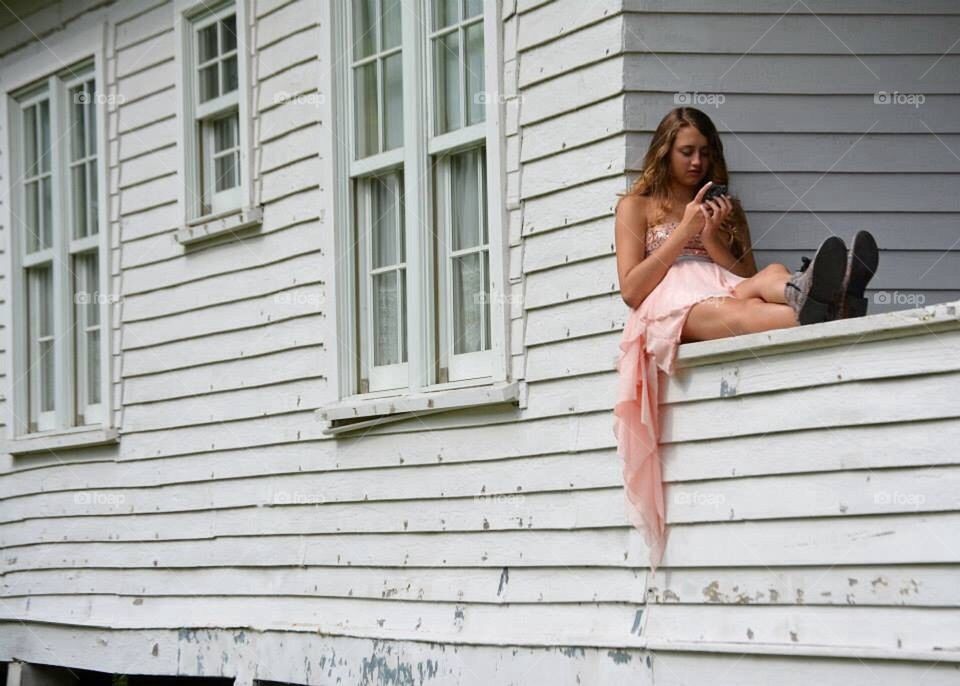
x=58, y=255
x=421, y=185
x=215, y=135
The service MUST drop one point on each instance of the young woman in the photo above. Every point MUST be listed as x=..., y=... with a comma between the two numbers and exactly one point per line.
x=686, y=269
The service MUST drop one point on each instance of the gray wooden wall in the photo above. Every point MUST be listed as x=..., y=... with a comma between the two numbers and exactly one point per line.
x=810, y=150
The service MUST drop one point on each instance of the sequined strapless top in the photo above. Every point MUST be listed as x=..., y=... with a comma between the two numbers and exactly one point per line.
x=656, y=235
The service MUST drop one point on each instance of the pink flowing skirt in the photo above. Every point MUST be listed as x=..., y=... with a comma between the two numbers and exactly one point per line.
x=650, y=341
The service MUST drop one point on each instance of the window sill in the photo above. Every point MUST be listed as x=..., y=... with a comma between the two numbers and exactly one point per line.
x=80, y=437
x=218, y=225
x=874, y=327
x=357, y=413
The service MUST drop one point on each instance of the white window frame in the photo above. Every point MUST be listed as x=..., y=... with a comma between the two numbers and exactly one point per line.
x=422, y=376
x=42, y=75
x=237, y=202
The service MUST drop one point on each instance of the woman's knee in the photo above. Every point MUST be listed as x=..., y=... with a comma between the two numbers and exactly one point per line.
x=775, y=269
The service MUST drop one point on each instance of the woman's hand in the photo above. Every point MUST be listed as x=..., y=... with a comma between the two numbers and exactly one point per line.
x=693, y=221
x=715, y=212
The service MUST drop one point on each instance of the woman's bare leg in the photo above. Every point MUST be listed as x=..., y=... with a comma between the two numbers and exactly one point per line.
x=768, y=284
x=724, y=317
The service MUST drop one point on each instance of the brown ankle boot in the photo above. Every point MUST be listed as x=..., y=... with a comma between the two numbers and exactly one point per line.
x=813, y=292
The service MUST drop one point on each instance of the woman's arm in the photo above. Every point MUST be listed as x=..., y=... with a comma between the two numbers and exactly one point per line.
x=717, y=247
x=638, y=275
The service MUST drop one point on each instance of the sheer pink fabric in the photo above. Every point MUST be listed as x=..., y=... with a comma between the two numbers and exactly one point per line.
x=649, y=345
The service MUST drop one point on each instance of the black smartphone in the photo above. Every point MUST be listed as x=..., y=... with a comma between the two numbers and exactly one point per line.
x=715, y=191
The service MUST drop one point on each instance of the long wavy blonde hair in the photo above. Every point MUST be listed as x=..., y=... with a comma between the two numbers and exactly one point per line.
x=654, y=179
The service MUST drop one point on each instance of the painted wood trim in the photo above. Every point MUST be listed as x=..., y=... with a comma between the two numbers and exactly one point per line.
x=215, y=226
x=86, y=45
x=189, y=194
x=922, y=320
x=80, y=437
x=432, y=401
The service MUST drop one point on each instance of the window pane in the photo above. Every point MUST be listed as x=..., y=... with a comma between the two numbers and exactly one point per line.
x=468, y=303
x=209, y=83
x=44, y=308
x=225, y=133
x=230, y=77
x=384, y=220
x=386, y=319
x=31, y=166
x=364, y=28
x=44, y=125
x=228, y=33
x=32, y=216
x=447, y=84
x=86, y=298
x=445, y=13
x=91, y=119
x=92, y=199
x=475, y=76
x=403, y=315
x=92, y=271
x=45, y=365
x=486, y=300
x=226, y=171
x=367, y=121
x=393, y=102
x=78, y=196
x=206, y=43
x=473, y=8
x=46, y=212
x=78, y=109
x=93, y=367
x=390, y=23
x=41, y=354
x=464, y=199
x=226, y=156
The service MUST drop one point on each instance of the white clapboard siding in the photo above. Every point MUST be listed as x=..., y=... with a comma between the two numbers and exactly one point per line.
x=481, y=585
x=605, y=624
x=288, y=363
x=571, y=130
x=296, y=239
x=811, y=482
x=872, y=539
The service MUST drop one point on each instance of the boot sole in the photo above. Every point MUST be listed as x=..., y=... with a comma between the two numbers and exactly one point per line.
x=865, y=256
x=829, y=266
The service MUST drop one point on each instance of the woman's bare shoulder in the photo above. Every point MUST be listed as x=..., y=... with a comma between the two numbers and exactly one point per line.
x=633, y=208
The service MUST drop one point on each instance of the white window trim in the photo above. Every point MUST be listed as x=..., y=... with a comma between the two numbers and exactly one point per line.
x=418, y=211
x=84, y=43
x=245, y=215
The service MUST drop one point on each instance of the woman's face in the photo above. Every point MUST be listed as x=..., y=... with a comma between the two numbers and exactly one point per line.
x=689, y=157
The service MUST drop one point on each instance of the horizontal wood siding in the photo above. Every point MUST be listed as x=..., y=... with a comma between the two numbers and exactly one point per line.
x=792, y=90
x=812, y=494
